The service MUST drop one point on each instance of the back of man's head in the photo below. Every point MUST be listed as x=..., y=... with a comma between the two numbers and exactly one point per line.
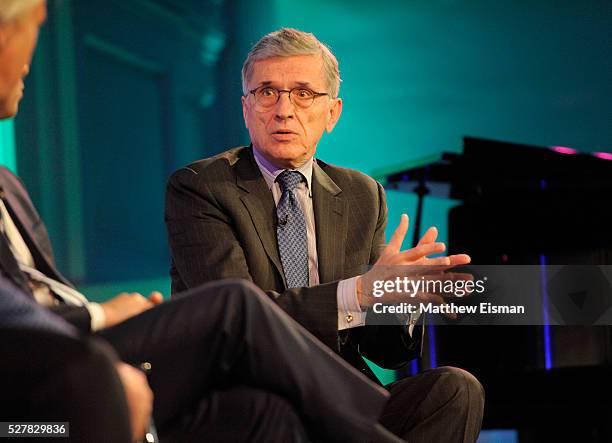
x=288, y=42
x=11, y=10
x=19, y=24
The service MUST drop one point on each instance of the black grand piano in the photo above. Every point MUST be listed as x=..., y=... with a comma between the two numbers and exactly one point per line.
x=520, y=204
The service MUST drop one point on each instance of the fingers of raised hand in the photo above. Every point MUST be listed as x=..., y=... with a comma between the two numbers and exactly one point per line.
x=433, y=263
x=442, y=263
x=430, y=236
x=418, y=252
x=459, y=259
x=398, y=236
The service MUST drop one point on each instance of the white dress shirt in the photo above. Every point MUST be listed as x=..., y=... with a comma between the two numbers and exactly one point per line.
x=350, y=314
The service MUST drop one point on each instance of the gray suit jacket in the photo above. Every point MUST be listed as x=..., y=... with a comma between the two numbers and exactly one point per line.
x=221, y=221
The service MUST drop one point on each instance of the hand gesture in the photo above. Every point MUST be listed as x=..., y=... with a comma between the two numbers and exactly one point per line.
x=410, y=265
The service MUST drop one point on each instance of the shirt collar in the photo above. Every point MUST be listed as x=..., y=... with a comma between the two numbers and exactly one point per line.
x=270, y=171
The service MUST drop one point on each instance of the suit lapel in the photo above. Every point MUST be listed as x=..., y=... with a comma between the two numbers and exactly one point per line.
x=24, y=221
x=260, y=203
x=331, y=222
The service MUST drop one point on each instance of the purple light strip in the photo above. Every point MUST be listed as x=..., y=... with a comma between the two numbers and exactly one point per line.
x=433, y=355
x=544, y=288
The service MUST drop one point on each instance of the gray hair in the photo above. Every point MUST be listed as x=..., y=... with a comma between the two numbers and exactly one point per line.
x=11, y=10
x=288, y=42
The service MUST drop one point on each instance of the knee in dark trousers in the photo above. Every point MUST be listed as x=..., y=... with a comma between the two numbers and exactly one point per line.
x=444, y=404
x=242, y=414
x=461, y=398
x=238, y=293
x=459, y=388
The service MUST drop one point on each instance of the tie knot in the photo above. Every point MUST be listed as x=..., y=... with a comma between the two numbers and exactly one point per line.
x=289, y=180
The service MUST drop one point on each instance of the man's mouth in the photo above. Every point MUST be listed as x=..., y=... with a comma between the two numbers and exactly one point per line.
x=283, y=135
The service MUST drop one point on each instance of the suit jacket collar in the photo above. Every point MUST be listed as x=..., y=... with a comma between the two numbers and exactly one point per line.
x=259, y=202
x=271, y=172
x=330, y=210
x=331, y=223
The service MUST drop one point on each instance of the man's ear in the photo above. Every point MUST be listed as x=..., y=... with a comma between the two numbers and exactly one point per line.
x=334, y=114
x=244, y=111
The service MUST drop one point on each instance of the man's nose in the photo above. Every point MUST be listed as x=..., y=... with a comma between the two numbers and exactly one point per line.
x=284, y=108
x=25, y=70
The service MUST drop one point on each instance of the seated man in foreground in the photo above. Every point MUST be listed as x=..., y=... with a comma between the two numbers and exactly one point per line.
x=226, y=363
x=302, y=230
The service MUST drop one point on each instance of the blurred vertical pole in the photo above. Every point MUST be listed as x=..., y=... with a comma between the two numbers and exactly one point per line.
x=69, y=135
x=7, y=145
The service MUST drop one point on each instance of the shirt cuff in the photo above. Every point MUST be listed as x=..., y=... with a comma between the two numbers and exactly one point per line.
x=349, y=311
x=98, y=317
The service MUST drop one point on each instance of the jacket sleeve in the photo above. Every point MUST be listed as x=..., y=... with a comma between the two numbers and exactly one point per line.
x=389, y=346
x=77, y=316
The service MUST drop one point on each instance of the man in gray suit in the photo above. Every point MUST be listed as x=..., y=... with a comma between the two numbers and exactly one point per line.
x=226, y=364
x=302, y=230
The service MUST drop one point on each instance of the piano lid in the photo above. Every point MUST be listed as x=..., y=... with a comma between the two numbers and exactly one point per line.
x=494, y=169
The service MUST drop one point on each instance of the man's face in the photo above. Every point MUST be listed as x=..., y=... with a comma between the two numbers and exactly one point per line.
x=17, y=43
x=287, y=135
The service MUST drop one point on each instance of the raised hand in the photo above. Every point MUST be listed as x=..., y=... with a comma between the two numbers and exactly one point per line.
x=412, y=264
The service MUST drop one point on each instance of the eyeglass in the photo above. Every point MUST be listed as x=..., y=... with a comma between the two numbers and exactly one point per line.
x=267, y=96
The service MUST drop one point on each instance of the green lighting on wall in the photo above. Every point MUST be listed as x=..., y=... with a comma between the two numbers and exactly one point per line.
x=7, y=145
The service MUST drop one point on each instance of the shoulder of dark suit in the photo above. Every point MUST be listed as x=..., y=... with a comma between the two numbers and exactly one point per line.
x=347, y=178
x=212, y=168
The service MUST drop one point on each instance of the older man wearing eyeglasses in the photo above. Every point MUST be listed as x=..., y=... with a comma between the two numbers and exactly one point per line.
x=302, y=230
x=224, y=363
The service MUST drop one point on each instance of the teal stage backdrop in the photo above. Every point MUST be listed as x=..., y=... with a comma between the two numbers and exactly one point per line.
x=7, y=145
x=122, y=92
x=420, y=75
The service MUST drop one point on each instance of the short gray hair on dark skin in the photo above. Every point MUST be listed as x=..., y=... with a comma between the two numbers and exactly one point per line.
x=11, y=10
x=289, y=42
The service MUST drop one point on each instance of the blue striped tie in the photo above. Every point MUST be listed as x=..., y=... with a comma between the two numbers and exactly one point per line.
x=291, y=231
